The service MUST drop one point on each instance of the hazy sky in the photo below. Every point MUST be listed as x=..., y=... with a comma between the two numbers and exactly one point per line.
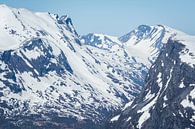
x=117, y=17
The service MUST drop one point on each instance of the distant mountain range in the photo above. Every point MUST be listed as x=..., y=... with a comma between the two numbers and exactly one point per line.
x=52, y=77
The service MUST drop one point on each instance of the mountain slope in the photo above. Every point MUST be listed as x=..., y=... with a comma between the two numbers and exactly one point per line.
x=50, y=77
x=47, y=75
x=167, y=101
x=145, y=42
x=39, y=72
x=136, y=56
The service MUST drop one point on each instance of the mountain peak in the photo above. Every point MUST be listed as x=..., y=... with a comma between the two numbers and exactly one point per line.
x=19, y=25
x=65, y=19
x=3, y=6
x=170, y=80
x=142, y=31
x=48, y=80
x=144, y=28
x=5, y=10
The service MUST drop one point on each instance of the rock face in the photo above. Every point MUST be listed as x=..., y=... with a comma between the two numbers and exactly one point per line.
x=50, y=77
x=100, y=41
x=168, y=99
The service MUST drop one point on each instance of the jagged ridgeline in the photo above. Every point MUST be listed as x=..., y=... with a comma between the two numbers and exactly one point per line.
x=168, y=99
x=51, y=77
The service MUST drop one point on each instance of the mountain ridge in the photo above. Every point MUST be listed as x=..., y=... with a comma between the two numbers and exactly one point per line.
x=167, y=95
x=64, y=80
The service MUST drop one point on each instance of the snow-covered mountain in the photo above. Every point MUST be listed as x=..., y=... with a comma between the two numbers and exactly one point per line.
x=143, y=43
x=50, y=77
x=168, y=99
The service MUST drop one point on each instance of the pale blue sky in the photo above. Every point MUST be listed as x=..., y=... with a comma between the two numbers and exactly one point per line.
x=117, y=17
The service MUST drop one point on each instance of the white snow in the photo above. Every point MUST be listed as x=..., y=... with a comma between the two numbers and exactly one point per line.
x=162, y=64
x=128, y=119
x=145, y=112
x=193, y=118
x=143, y=118
x=26, y=24
x=149, y=96
x=153, y=98
x=186, y=103
x=164, y=105
x=165, y=98
x=187, y=55
x=89, y=79
x=169, y=79
x=181, y=85
x=115, y=118
x=127, y=105
x=159, y=81
x=145, y=50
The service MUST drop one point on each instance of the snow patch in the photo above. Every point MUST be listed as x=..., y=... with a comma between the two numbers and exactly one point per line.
x=115, y=118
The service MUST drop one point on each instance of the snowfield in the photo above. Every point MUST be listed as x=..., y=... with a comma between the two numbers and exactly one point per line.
x=47, y=69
